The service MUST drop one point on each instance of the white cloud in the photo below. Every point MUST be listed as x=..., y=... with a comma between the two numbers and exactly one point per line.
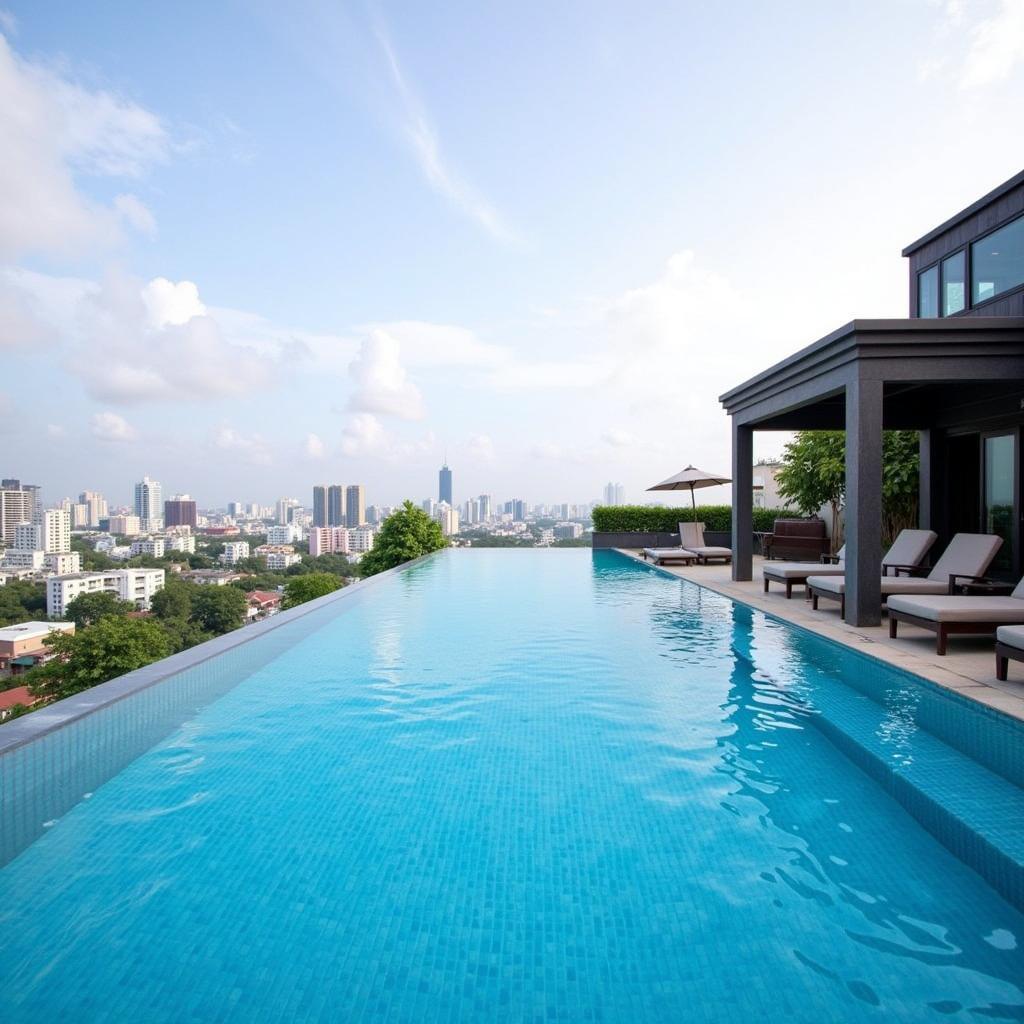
x=108, y=426
x=996, y=47
x=619, y=438
x=134, y=212
x=50, y=127
x=481, y=447
x=21, y=317
x=250, y=447
x=363, y=435
x=315, y=447
x=381, y=383
x=55, y=430
x=168, y=302
x=426, y=147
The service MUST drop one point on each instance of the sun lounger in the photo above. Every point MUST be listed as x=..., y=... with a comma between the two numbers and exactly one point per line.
x=945, y=614
x=967, y=557
x=909, y=548
x=1009, y=644
x=661, y=556
x=691, y=537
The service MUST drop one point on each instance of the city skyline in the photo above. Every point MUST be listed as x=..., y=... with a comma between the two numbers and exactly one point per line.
x=161, y=277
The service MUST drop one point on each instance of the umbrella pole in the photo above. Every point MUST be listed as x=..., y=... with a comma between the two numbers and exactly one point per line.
x=693, y=501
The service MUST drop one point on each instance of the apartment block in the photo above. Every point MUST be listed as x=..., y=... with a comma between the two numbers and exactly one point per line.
x=125, y=526
x=329, y=540
x=233, y=551
x=135, y=585
x=154, y=546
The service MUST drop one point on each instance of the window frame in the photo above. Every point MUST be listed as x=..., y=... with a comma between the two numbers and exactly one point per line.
x=970, y=263
x=938, y=289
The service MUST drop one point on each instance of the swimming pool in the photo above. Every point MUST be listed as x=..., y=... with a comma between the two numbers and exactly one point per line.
x=530, y=786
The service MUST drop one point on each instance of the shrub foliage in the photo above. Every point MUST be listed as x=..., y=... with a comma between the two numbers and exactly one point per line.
x=655, y=519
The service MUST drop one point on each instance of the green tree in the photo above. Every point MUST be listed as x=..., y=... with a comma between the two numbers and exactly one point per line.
x=108, y=648
x=406, y=534
x=183, y=633
x=87, y=609
x=218, y=609
x=813, y=474
x=21, y=601
x=301, y=589
x=174, y=601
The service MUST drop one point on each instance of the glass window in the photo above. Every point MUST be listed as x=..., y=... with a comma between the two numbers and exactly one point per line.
x=953, y=294
x=928, y=292
x=997, y=261
x=1000, y=457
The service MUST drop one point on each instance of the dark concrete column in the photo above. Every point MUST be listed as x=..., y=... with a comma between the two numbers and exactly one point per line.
x=931, y=491
x=742, y=502
x=863, y=502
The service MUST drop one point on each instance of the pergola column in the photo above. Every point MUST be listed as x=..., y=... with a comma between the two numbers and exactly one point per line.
x=742, y=502
x=931, y=492
x=863, y=502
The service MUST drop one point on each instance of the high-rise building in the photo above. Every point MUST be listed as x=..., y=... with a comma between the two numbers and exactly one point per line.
x=235, y=509
x=17, y=505
x=286, y=509
x=444, y=484
x=336, y=506
x=428, y=505
x=328, y=540
x=319, y=505
x=97, y=505
x=149, y=503
x=448, y=517
x=180, y=511
x=485, y=507
x=614, y=494
x=355, y=506
x=55, y=530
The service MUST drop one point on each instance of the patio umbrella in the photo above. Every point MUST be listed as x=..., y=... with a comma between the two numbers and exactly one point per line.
x=689, y=480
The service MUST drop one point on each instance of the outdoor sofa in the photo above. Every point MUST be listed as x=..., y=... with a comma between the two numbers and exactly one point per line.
x=691, y=548
x=909, y=548
x=795, y=539
x=971, y=614
x=967, y=556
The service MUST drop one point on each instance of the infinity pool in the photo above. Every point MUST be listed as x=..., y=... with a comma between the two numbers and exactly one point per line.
x=530, y=786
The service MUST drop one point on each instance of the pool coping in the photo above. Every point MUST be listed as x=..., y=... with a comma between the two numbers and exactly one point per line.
x=980, y=695
x=48, y=719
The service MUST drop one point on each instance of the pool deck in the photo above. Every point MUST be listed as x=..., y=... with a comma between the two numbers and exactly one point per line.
x=969, y=668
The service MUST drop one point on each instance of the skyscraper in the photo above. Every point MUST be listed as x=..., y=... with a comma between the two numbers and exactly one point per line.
x=319, y=505
x=149, y=503
x=180, y=511
x=485, y=507
x=336, y=506
x=17, y=505
x=355, y=505
x=97, y=506
x=614, y=494
x=444, y=484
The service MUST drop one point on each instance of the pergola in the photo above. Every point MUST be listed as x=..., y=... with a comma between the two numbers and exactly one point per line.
x=930, y=375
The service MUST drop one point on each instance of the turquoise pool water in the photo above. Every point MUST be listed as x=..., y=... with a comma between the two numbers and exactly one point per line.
x=531, y=786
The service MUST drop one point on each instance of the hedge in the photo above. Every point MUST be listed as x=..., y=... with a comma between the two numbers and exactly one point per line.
x=655, y=519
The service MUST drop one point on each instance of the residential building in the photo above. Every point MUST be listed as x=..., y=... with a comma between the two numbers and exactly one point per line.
x=486, y=509
x=55, y=529
x=183, y=542
x=444, y=485
x=135, y=585
x=262, y=604
x=320, y=505
x=328, y=540
x=766, y=487
x=28, y=537
x=180, y=510
x=24, y=558
x=279, y=561
x=149, y=504
x=285, y=510
x=361, y=538
x=233, y=551
x=23, y=646
x=153, y=546
x=236, y=509
x=337, y=512
x=953, y=371
x=428, y=505
x=96, y=505
x=448, y=517
x=567, y=531
x=282, y=534
x=124, y=526
x=211, y=577
x=355, y=506
x=61, y=563
x=17, y=505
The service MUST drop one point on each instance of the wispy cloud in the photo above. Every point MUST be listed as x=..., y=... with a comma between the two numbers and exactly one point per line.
x=426, y=147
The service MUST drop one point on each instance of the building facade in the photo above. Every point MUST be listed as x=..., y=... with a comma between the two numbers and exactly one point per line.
x=355, y=506
x=149, y=505
x=135, y=585
x=319, y=505
x=444, y=485
x=17, y=505
x=180, y=510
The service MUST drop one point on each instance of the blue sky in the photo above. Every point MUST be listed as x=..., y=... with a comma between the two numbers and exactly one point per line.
x=249, y=247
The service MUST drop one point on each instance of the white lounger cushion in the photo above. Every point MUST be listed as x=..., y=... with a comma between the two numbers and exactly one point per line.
x=1012, y=636
x=801, y=570
x=669, y=553
x=691, y=536
x=909, y=547
x=712, y=552
x=890, y=585
x=960, y=608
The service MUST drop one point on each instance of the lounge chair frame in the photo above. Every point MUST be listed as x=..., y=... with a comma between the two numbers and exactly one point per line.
x=1004, y=654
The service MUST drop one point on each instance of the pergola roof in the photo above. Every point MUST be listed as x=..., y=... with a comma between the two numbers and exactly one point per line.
x=933, y=371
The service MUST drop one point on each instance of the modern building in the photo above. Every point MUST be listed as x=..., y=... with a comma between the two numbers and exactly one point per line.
x=282, y=534
x=361, y=538
x=286, y=510
x=448, y=517
x=953, y=370
x=614, y=494
x=54, y=529
x=180, y=510
x=328, y=540
x=278, y=557
x=61, y=563
x=183, y=542
x=23, y=646
x=124, y=526
x=444, y=485
x=149, y=504
x=766, y=487
x=135, y=585
x=152, y=546
x=17, y=505
x=355, y=506
x=233, y=551
x=567, y=531
x=486, y=507
x=33, y=559
x=319, y=505
x=96, y=505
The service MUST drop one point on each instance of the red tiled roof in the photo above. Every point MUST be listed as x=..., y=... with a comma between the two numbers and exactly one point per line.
x=19, y=695
x=264, y=596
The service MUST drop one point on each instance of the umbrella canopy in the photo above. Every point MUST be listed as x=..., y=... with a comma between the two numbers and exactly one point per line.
x=690, y=479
